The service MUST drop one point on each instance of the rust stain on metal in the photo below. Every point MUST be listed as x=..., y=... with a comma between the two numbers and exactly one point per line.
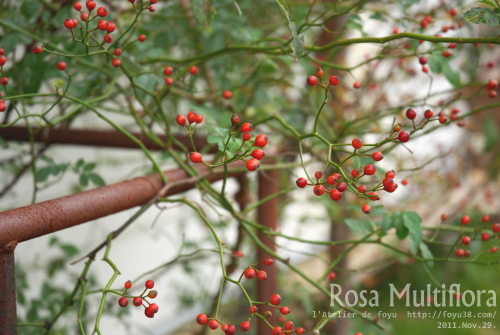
x=43, y=218
x=8, y=316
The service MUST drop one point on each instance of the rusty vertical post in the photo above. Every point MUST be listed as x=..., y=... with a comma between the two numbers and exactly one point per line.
x=8, y=316
x=267, y=215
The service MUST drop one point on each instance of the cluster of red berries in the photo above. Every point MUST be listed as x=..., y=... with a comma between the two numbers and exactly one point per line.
x=251, y=158
x=333, y=80
x=274, y=301
x=491, y=88
x=466, y=240
x=4, y=81
x=149, y=310
x=168, y=71
x=411, y=114
x=428, y=20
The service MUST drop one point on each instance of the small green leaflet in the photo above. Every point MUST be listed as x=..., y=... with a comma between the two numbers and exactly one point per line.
x=298, y=40
x=489, y=16
x=426, y=253
x=203, y=11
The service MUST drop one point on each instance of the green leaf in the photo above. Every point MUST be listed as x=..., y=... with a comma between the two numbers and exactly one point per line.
x=233, y=146
x=55, y=169
x=42, y=174
x=84, y=180
x=378, y=210
x=47, y=159
x=412, y=221
x=53, y=241
x=387, y=223
x=452, y=75
x=426, y=253
x=490, y=132
x=30, y=9
x=356, y=226
x=298, y=40
x=378, y=16
x=401, y=230
x=238, y=8
x=435, y=64
x=216, y=139
x=69, y=249
x=89, y=167
x=489, y=16
x=486, y=2
x=96, y=179
x=203, y=11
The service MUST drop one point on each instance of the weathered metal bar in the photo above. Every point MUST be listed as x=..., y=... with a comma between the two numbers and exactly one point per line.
x=267, y=215
x=8, y=319
x=43, y=218
x=99, y=138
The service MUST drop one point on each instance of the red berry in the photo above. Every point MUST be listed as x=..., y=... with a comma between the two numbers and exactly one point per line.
x=370, y=170
x=447, y=53
x=404, y=136
x=332, y=276
x=299, y=331
x=318, y=174
x=373, y=196
x=496, y=227
x=4, y=81
x=110, y=27
x=411, y=113
x=118, y=52
x=116, y=62
x=341, y=187
x=3, y=60
x=390, y=174
x=366, y=209
x=250, y=273
x=151, y=9
x=192, y=117
x=195, y=157
x=238, y=254
x=336, y=195
x=235, y=119
x=37, y=49
x=289, y=325
x=2, y=51
x=245, y=326
x=102, y=11
x=260, y=141
x=275, y=299
x=494, y=249
x=357, y=143
x=199, y=118
x=485, y=218
x=428, y=114
x=252, y=164
x=69, y=23
x=492, y=85
x=231, y=330
x=168, y=71
x=465, y=220
x=102, y=25
x=319, y=72
x=396, y=128
x=490, y=64
x=362, y=189
x=356, y=84
x=91, y=5
x=377, y=156
x=333, y=178
x=444, y=217
x=137, y=301
x=301, y=182
x=466, y=253
x=247, y=136
x=83, y=16
x=395, y=30
x=453, y=11
x=227, y=95
x=201, y=319
x=193, y=70
x=492, y=94
x=153, y=294
x=253, y=309
x=319, y=190
x=460, y=253
x=154, y=308
x=404, y=182
x=443, y=119
x=169, y=81
x=258, y=154
x=425, y=69
x=355, y=173
x=312, y=80
x=334, y=80
x=269, y=261
x=77, y=6
x=278, y=330
x=224, y=328
x=142, y=38
x=128, y=284
x=149, y=284
x=123, y=302
x=485, y=236
x=61, y=66
x=213, y=324
x=108, y=38
x=422, y=60
x=246, y=127
x=262, y=275
x=466, y=240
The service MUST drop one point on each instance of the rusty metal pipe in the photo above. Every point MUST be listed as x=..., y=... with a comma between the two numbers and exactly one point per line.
x=98, y=138
x=8, y=316
x=25, y=223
